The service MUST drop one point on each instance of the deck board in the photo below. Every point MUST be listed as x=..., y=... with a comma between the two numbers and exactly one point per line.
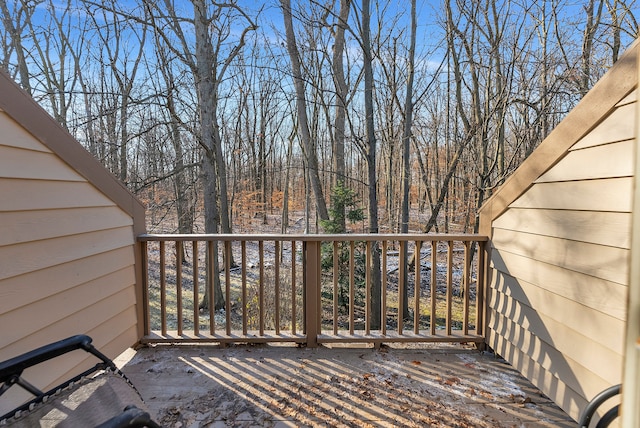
x=408, y=385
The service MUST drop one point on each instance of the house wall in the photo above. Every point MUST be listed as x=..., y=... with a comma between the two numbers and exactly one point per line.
x=631, y=396
x=560, y=244
x=67, y=247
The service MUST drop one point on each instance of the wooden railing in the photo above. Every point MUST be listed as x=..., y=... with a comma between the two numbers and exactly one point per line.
x=313, y=289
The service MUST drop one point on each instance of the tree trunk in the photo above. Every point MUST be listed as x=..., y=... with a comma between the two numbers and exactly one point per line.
x=341, y=102
x=301, y=106
x=206, y=109
x=376, y=288
x=591, y=26
x=406, y=167
x=16, y=42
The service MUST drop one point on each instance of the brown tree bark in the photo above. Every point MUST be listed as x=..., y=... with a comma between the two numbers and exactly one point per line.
x=304, y=133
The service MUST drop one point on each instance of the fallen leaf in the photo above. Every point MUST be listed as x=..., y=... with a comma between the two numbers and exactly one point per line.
x=452, y=380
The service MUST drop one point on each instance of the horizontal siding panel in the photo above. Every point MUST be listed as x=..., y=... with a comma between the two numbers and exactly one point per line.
x=631, y=98
x=111, y=338
x=25, y=195
x=30, y=287
x=121, y=342
x=84, y=320
x=32, y=256
x=612, y=194
x=116, y=334
x=608, y=263
x=597, y=227
x=114, y=331
x=604, y=296
x=508, y=315
x=29, y=164
x=64, y=304
x=14, y=135
x=607, y=330
x=618, y=126
x=25, y=226
x=576, y=376
x=569, y=400
x=606, y=161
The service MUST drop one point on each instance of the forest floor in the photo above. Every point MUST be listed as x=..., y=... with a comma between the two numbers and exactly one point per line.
x=412, y=385
x=254, y=224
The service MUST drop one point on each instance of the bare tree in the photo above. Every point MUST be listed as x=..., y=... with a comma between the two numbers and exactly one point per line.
x=369, y=149
x=406, y=138
x=342, y=92
x=593, y=11
x=14, y=24
x=123, y=64
x=301, y=107
x=151, y=108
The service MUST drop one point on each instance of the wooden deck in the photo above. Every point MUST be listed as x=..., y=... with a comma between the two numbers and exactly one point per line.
x=445, y=385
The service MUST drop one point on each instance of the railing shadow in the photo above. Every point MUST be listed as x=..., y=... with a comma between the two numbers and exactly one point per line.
x=268, y=385
x=523, y=337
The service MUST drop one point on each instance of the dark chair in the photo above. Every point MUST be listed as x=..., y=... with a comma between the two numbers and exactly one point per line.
x=101, y=396
x=596, y=402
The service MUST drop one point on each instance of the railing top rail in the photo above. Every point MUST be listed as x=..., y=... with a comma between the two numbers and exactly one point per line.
x=423, y=237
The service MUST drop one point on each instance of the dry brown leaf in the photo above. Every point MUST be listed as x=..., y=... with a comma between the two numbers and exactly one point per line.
x=452, y=380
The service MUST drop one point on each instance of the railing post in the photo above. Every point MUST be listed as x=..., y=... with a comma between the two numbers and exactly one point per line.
x=144, y=261
x=484, y=273
x=313, y=273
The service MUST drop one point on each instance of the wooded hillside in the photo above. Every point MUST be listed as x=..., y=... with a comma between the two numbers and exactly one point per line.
x=215, y=112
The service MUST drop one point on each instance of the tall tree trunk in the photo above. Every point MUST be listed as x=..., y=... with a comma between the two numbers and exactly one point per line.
x=301, y=106
x=221, y=170
x=285, y=197
x=183, y=210
x=206, y=109
x=406, y=167
x=590, y=28
x=376, y=288
x=341, y=102
x=15, y=33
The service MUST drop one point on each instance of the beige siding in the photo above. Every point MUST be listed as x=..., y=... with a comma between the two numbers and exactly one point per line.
x=617, y=126
x=553, y=386
x=631, y=386
x=603, y=296
x=603, y=262
x=26, y=226
x=559, y=295
x=23, y=289
x=590, y=195
x=604, y=228
x=14, y=135
x=564, y=310
x=574, y=373
x=50, y=252
x=559, y=257
x=67, y=256
x=609, y=160
x=631, y=98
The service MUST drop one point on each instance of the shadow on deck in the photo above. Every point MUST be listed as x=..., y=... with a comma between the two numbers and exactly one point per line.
x=407, y=385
